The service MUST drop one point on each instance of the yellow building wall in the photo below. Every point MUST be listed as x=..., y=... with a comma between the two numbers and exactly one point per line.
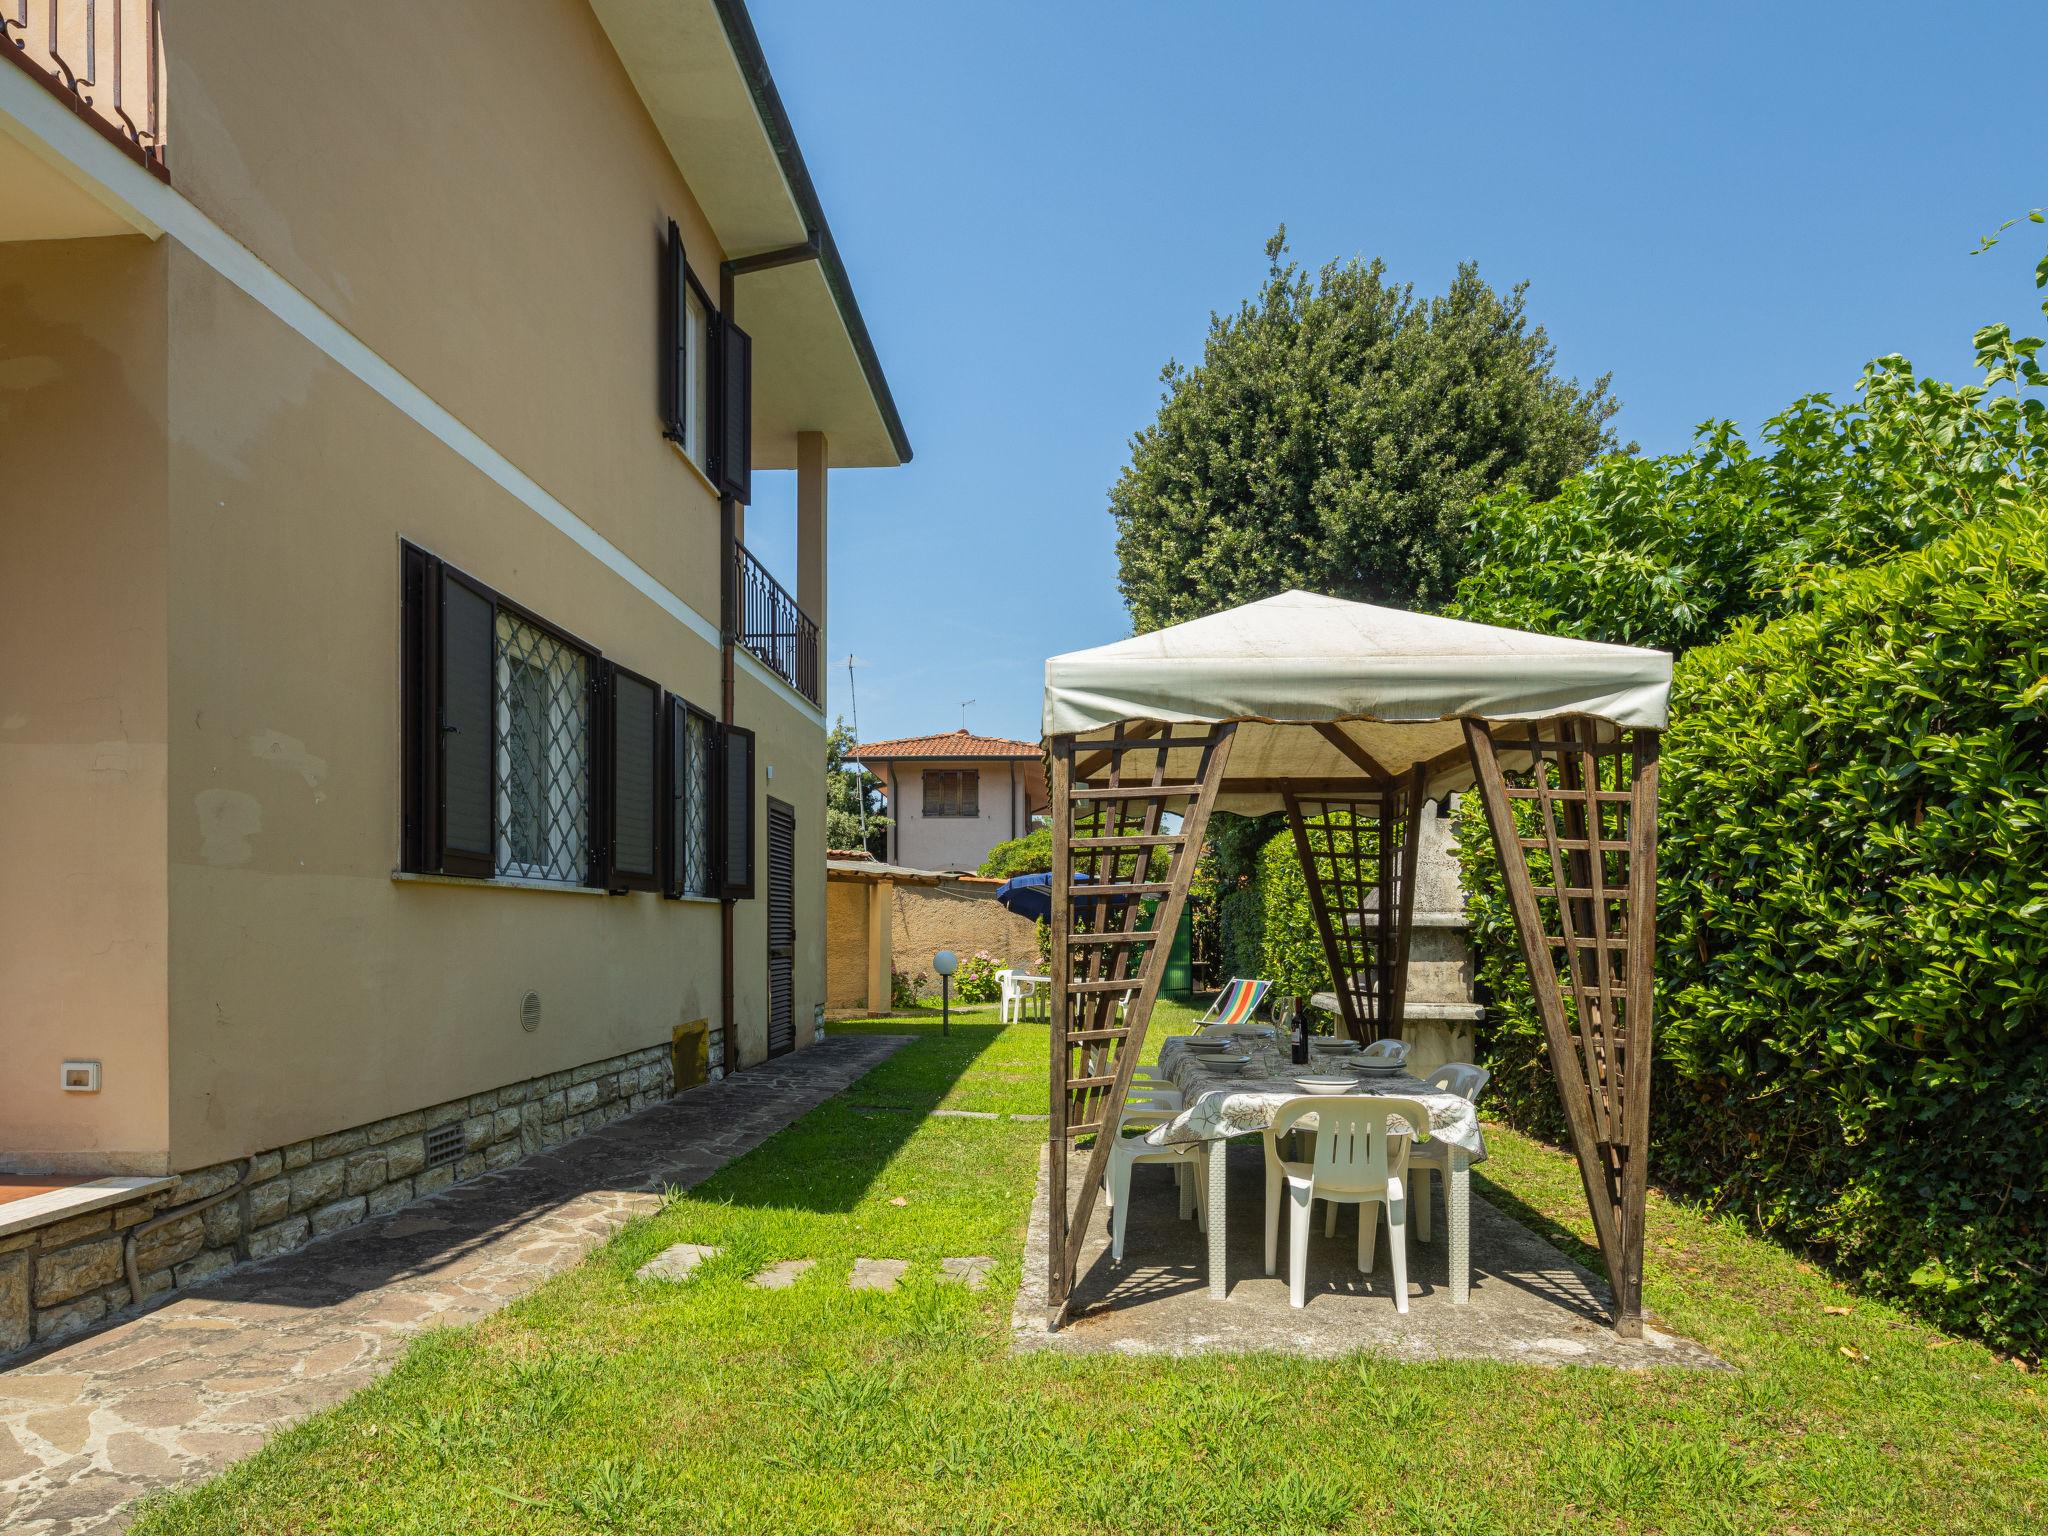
x=512, y=273
x=846, y=945
x=83, y=912
x=202, y=519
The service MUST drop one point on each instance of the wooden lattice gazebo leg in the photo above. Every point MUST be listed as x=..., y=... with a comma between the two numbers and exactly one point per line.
x=1353, y=846
x=1578, y=852
x=1110, y=804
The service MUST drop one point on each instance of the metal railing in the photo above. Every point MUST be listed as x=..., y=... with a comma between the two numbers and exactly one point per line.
x=772, y=626
x=104, y=59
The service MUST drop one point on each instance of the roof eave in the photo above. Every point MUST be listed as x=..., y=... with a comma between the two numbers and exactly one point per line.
x=746, y=49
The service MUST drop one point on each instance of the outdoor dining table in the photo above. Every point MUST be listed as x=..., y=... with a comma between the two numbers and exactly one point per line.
x=1039, y=997
x=1220, y=1106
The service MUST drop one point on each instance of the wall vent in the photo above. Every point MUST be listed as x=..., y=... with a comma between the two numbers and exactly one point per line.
x=444, y=1143
x=529, y=1012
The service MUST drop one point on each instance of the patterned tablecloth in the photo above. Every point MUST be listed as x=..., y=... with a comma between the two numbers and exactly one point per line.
x=1220, y=1105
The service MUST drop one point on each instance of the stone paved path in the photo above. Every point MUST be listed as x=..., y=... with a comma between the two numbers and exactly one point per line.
x=176, y=1394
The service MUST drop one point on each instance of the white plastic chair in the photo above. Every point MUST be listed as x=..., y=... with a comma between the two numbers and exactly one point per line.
x=1127, y=1152
x=1466, y=1081
x=1395, y=1051
x=1356, y=1163
x=1016, y=993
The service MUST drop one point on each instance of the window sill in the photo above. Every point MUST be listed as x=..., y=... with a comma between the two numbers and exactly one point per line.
x=409, y=877
x=694, y=467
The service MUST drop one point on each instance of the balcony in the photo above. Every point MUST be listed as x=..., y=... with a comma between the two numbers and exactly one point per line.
x=104, y=59
x=770, y=625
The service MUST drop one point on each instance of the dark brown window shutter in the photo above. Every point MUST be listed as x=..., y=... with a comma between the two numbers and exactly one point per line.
x=675, y=335
x=736, y=413
x=633, y=807
x=736, y=830
x=467, y=728
x=420, y=710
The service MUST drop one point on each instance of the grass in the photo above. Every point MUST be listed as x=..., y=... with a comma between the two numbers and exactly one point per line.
x=598, y=1404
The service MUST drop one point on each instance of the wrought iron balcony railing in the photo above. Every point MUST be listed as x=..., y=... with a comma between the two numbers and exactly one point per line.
x=104, y=59
x=772, y=626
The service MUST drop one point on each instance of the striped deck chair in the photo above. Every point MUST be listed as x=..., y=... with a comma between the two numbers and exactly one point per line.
x=1236, y=1003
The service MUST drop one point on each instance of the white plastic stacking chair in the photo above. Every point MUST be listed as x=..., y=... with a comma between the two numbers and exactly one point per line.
x=1395, y=1051
x=1466, y=1081
x=1127, y=1152
x=1356, y=1163
x=1154, y=1085
x=1015, y=994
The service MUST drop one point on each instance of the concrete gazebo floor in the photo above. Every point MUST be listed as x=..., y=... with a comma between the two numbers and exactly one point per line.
x=1529, y=1303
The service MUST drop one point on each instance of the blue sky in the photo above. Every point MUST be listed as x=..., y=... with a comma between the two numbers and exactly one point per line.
x=1724, y=206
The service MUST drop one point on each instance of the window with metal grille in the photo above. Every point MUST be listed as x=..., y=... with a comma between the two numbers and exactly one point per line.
x=694, y=788
x=444, y=1143
x=544, y=759
x=952, y=792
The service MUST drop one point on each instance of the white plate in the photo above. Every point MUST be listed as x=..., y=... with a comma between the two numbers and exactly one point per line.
x=1377, y=1067
x=1327, y=1084
x=1211, y=1047
x=1227, y=1065
x=1336, y=1047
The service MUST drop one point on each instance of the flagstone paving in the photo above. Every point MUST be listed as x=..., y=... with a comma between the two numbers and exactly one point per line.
x=176, y=1394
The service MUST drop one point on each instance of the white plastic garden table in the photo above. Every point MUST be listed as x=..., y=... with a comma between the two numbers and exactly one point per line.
x=1040, y=1001
x=1221, y=1106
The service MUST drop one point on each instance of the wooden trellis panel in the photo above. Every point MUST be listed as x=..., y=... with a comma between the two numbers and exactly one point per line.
x=1357, y=854
x=1111, y=804
x=1578, y=849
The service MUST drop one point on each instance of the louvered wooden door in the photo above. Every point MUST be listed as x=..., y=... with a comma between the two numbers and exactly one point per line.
x=781, y=928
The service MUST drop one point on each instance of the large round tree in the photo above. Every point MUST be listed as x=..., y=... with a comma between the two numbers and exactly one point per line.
x=1334, y=437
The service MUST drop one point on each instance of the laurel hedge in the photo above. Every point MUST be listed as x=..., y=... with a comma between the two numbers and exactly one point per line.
x=1853, y=958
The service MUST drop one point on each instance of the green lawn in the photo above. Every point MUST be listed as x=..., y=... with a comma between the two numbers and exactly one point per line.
x=601, y=1405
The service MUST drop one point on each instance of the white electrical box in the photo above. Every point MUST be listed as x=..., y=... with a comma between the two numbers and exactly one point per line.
x=81, y=1077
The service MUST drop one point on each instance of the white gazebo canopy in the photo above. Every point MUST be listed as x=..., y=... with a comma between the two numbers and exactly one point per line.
x=1325, y=689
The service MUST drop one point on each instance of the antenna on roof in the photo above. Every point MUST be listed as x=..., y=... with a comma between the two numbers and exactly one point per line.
x=860, y=774
x=963, y=714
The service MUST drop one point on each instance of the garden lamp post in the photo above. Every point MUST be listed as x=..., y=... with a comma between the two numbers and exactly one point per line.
x=945, y=962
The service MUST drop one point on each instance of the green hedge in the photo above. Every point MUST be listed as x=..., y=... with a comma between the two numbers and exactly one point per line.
x=1268, y=929
x=1853, y=967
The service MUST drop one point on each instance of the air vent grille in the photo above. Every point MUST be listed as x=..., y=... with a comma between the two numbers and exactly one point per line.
x=529, y=1012
x=444, y=1143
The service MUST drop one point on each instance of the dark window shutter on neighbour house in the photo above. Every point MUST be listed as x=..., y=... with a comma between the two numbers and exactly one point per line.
x=735, y=423
x=466, y=728
x=634, y=805
x=736, y=798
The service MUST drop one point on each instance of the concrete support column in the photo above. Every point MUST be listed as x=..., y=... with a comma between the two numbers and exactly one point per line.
x=881, y=945
x=810, y=527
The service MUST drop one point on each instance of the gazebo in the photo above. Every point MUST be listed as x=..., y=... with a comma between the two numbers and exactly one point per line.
x=1351, y=718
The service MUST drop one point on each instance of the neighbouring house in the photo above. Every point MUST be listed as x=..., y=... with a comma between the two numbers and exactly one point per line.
x=953, y=797
x=406, y=763
x=881, y=918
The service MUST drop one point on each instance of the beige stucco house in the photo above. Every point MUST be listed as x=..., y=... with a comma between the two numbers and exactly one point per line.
x=398, y=743
x=954, y=796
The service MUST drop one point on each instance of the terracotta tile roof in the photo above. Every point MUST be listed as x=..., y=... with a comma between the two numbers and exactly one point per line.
x=952, y=744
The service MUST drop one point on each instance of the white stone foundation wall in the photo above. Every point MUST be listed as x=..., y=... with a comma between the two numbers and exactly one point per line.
x=60, y=1278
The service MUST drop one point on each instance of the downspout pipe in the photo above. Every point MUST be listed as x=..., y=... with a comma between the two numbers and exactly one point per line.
x=728, y=617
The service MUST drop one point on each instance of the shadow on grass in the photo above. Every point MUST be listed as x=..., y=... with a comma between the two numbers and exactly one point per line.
x=1548, y=1228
